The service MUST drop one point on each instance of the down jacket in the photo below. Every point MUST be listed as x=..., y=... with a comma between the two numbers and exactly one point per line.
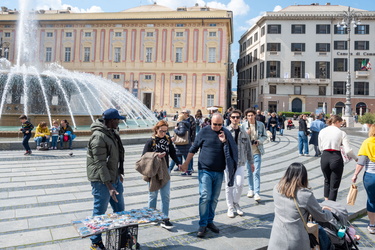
x=105, y=154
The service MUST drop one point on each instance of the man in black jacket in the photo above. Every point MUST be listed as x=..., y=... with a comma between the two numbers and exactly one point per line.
x=260, y=117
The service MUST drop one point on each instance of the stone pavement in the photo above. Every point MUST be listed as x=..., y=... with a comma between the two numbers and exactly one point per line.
x=41, y=194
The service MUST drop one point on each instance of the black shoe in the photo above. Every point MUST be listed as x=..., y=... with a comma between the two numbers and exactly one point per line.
x=98, y=246
x=213, y=228
x=201, y=232
x=166, y=224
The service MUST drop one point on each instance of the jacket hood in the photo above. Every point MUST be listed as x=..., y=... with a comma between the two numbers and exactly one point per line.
x=99, y=125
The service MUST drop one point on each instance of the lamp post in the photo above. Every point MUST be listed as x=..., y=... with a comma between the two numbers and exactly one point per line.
x=4, y=48
x=349, y=19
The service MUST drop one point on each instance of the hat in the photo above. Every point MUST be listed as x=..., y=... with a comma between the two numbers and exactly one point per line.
x=112, y=114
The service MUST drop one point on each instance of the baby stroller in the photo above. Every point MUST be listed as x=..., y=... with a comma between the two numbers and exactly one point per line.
x=339, y=229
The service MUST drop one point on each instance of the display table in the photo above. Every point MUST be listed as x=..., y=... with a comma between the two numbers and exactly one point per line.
x=121, y=228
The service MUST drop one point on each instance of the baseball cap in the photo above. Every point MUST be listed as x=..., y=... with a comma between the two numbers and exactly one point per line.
x=112, y=114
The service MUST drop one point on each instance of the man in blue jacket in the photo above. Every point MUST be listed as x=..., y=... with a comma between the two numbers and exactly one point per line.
x=218, y=148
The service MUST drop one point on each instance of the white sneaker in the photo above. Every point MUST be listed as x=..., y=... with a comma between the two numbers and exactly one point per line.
x=230, y=213
x=301, y=154
x=238, y=209
x=250, y=194
x=307, y=155
x=371, y=229
x=257, y=197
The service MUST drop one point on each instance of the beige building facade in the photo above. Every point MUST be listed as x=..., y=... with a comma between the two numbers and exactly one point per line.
x=297, y=60
x=169, y=59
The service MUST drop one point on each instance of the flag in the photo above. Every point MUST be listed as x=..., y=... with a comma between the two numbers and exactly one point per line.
x=363, y=67
x=368, y=65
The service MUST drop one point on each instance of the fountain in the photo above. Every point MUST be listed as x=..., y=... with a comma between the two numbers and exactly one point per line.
x=46, y=92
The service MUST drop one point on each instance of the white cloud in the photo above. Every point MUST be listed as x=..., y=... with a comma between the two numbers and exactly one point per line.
x=252, y=21
x=57, y=5
x=239, y=7
x=277, y=8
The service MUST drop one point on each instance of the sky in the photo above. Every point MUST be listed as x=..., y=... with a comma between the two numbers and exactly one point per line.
x=245, y=12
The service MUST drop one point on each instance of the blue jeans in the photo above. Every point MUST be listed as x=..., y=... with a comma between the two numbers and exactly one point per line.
x=198, y=128
x=172, y=164
x=369, y=183
x=54, y=141
x=254, y=178
x=303, y=144
x=25, y=141
x=273, y=131
x=324, y=240
x=209, y=191
x=40, y=139
x=281, y=131
x=62, y=141
x=101, y=200
x=164, y=195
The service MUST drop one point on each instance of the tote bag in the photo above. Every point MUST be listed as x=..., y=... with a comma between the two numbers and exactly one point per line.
x=182, y=140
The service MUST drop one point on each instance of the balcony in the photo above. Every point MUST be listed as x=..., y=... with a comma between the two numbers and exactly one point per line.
x=299, y=81
x=362, y=74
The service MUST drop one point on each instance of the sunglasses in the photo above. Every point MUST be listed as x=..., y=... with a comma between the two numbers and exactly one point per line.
x=217, y=124
x=163, y=131
x=235, y=117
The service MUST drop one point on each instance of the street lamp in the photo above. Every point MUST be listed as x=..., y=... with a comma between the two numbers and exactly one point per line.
x=349, y=18
x=4, y=47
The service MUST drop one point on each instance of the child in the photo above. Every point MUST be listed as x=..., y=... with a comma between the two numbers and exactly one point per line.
x=26, y=129
x=41, y=134
x=55, y=133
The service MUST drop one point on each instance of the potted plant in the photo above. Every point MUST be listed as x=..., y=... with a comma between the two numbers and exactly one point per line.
x=367, y=118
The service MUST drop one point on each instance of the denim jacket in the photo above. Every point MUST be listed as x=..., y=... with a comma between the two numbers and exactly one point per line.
x=245, y=153
x=262, y=135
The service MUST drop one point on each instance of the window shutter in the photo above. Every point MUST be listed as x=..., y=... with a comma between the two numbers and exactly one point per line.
x=317, y=70
x=278, y=69
x=268, y=69
x=302, y=70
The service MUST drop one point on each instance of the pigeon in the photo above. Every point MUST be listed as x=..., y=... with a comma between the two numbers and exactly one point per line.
x=71, y=154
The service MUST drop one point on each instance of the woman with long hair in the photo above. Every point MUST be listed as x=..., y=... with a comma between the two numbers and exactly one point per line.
x=367, y=159
x=331, y=139
x=198, y=120
x=161, y=143
x=288, y=230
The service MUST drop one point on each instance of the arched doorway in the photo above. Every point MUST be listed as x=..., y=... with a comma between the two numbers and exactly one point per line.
x=339, y=108
x=358, y=109
x=297, y=105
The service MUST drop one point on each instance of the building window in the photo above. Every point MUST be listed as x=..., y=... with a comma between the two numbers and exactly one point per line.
x=210, y=100
x=298, y=47
x=340, y=45
x=48, y=54
x=255, y=73
x=273, y=69
x=149, y=34
x=297, y=90
x=69, y=25
x=178, y=77
x=262, y=48
x=261, y=70
x=274, y=29
x=263, y=31
x=298, y=28
x=297, y=69
x=322, y=70
x=339, y=88
x=340, y=30
x=363, y=29
x=361, y=45
x=68, y=34
x=211, y=78
x=361, y=88
x=250, y=41
x=116, y=76
x=148, y=54
x=147, y=77
x=87, y=34
x=117, y=54
x=212, y=33
x=323, y=29
x=176, y=100
x=322, y=90
x=86, y=57
x=255, y=55
x=178, y=55
x=323, y=47
x=68, y=53
x=179, y=34
x=179, y=25
x=212, y=25
x=7, y=34
x=118, y=34
x=49, y=34
x=273, y=46
x=211, y=55
x=256, y=37
x=361, y=64
x=340, y=64
x=273, y=89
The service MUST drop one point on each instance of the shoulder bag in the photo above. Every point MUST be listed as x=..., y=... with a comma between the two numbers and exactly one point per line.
x=182, y=140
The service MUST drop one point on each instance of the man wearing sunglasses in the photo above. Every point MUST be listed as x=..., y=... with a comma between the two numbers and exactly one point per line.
x=217, y=149
x=242, y=139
